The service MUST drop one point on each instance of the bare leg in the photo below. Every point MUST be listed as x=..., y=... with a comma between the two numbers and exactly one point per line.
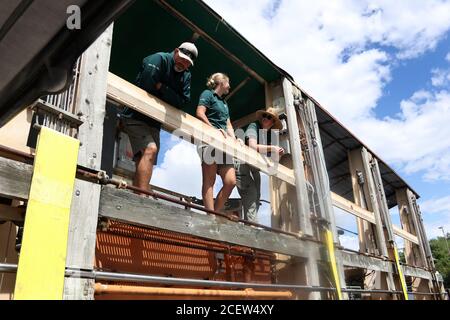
x=144, y=168
x=228, y=176
x=209, y=178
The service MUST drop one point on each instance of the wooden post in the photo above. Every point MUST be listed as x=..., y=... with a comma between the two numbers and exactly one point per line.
x=90, y=104
x=371, y=236
x=302, y=208
x=365, y=232
x=321, y=179
x=387, y=224
x=415, y=254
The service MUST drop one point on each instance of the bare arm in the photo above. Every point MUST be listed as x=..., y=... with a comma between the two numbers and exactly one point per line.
x=262, y=148
x=230, y=129
x=201, y=114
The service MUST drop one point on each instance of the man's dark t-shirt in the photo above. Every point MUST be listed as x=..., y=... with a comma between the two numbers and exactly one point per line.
x=175, y=89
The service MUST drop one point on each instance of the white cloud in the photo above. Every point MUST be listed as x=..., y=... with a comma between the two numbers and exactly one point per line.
x=440, y=77
x=436, y=213
x=418, y=139
x=432, y=227
x=180, y=170
x=433, y=206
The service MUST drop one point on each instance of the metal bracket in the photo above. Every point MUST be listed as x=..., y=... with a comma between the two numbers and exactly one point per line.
x=41, y=107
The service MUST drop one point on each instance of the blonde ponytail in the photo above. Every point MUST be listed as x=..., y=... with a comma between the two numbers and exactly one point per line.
x=214, y=80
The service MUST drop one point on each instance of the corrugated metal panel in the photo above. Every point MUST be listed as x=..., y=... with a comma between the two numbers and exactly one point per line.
x=130, y=249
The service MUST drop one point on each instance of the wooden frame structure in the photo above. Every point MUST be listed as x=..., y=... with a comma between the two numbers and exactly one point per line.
x=295, y=184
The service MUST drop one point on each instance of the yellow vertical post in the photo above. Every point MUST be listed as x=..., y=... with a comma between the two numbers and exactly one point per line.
x=42, y=261
x=400, y=273
x=332, y=257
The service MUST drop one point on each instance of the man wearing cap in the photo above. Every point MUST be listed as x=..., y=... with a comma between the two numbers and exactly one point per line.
x=248, y=179
x=166, y=76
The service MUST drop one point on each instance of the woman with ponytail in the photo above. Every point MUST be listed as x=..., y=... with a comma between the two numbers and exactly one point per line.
x=213, y=110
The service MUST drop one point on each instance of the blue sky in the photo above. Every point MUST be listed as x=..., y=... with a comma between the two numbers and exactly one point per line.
x=410, y=76
x=381, y=67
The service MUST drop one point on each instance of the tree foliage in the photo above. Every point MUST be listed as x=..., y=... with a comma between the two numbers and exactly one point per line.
x=442, y=258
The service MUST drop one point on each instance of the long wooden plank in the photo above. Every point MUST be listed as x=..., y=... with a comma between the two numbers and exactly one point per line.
x=417, y=273
x=352, y=208
x=188, y=126
x=405, y=235
x=364, y=262
x=359, y=212
x=42, y=263
x=127, y=207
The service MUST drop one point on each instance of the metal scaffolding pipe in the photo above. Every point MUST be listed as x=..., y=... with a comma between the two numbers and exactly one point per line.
x=127, y=277
x=155, y=291
x=110, y=276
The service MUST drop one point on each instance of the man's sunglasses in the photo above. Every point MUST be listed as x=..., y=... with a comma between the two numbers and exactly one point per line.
x=267, y=116
x=188, y=53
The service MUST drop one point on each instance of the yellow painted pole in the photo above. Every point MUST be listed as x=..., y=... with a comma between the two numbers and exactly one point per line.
x=332, y=257
x=400, y=273
x=42, y=262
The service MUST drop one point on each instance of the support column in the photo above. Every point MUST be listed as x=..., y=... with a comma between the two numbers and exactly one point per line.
x=414, y=254
x=417, y=255
x=90, y=104
x=302, y=209
x=320, y=177
x=371, y=236
x=387, y=225
x=366, y=234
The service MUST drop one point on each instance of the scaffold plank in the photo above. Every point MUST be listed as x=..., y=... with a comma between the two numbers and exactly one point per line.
x=42, y=260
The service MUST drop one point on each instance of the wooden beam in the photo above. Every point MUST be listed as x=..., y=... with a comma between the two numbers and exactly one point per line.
x=188, y=126
x=417, y=273
x=129, y=208
x=366, y=215
x=405, y=235
x=352, y=208
x=364, y=262
x=239, y=87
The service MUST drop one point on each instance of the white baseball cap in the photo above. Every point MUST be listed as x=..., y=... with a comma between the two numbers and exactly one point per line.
x=188, y=51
